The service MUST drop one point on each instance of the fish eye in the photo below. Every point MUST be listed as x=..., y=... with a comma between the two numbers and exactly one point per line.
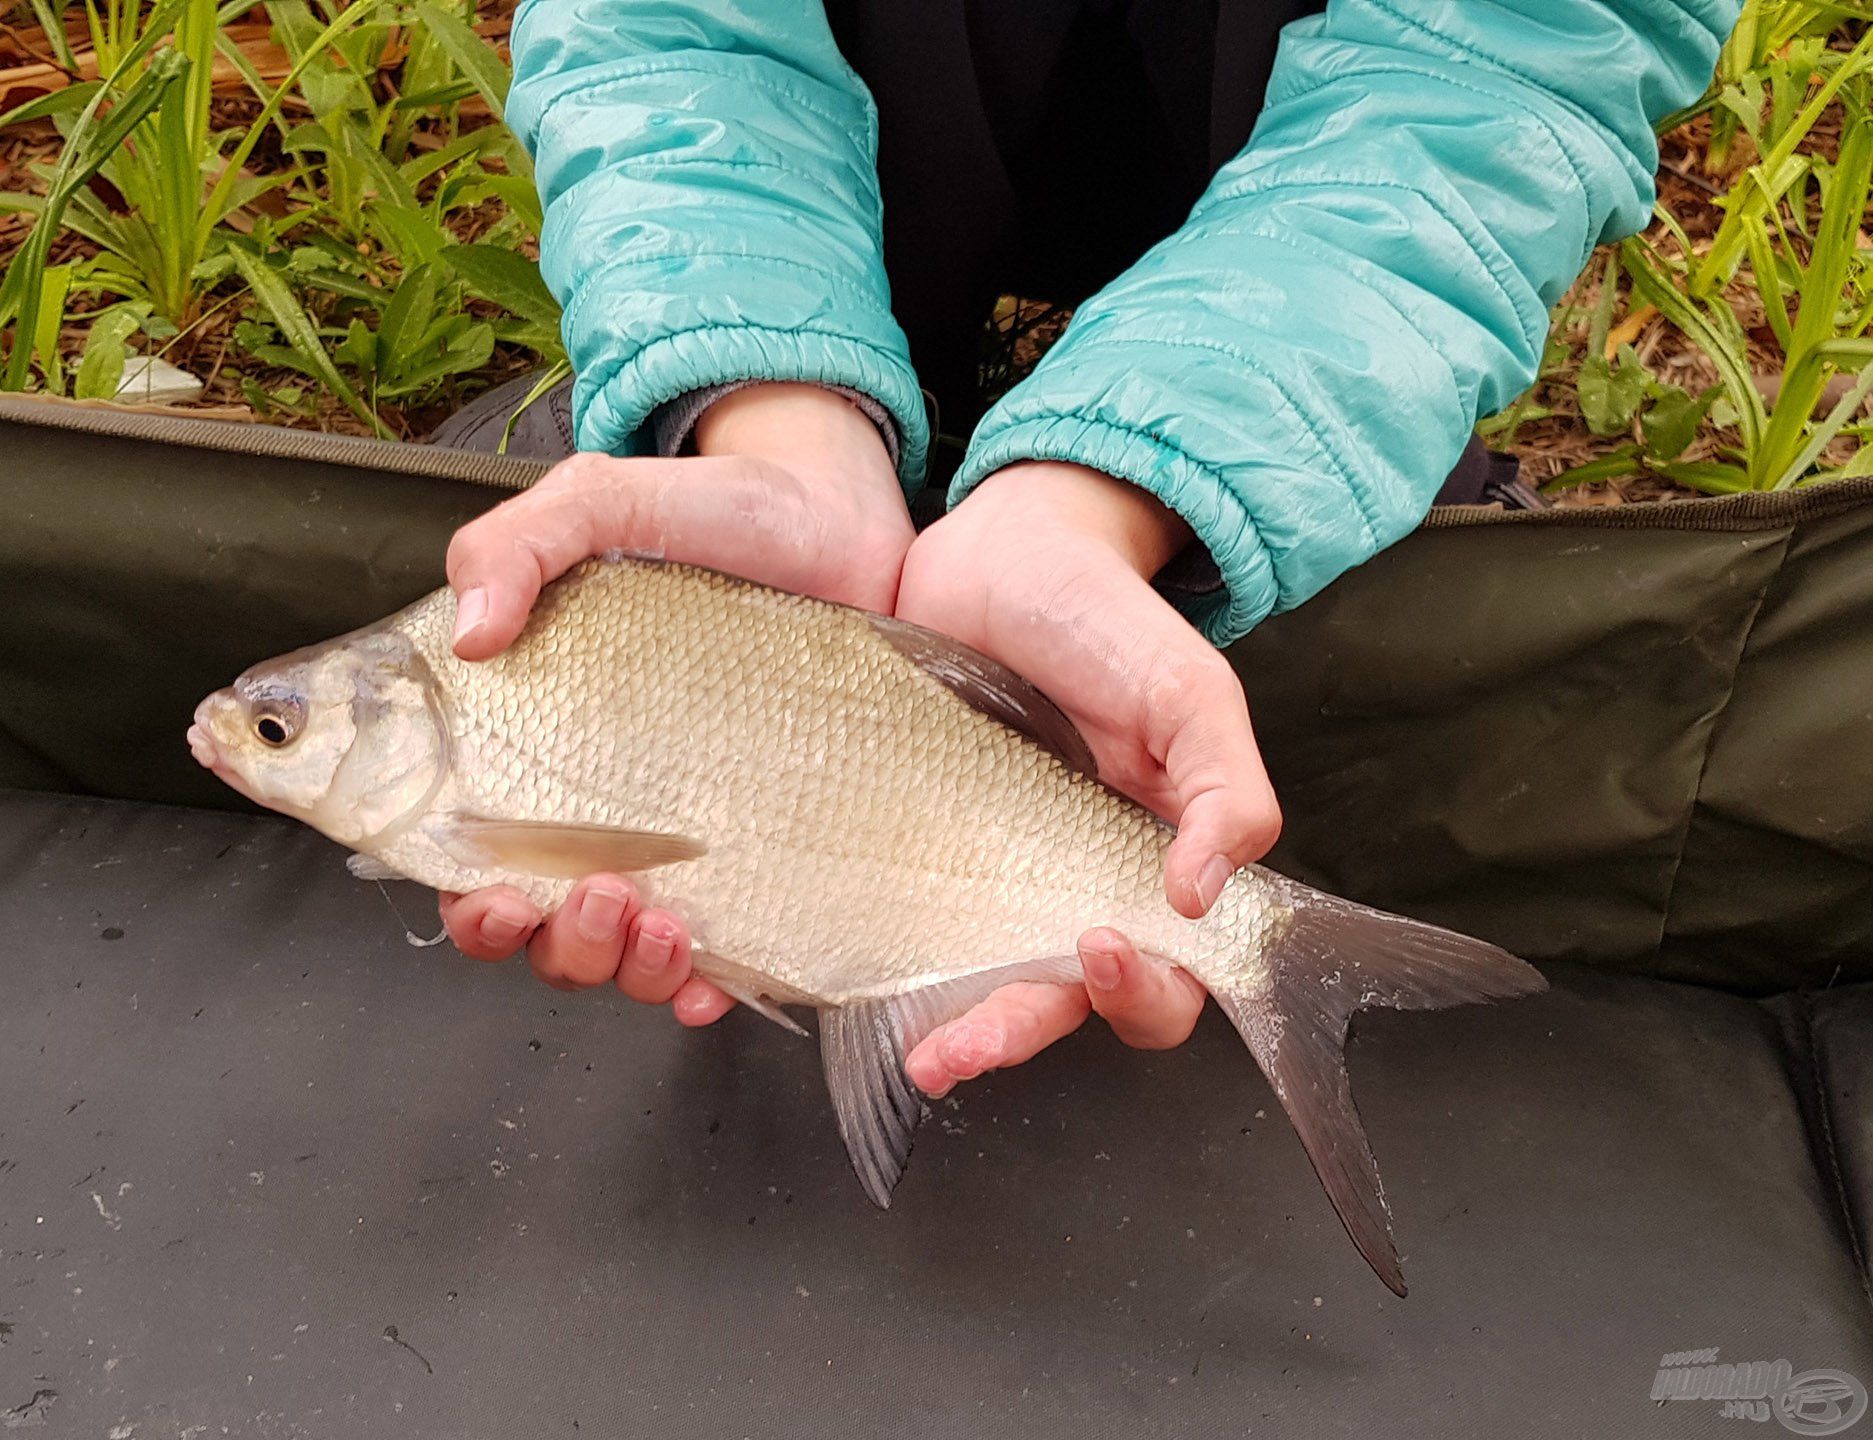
x=271, y=730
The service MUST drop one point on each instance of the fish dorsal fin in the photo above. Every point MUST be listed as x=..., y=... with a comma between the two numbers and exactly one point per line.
x=991, y=687
x=557, y=850
x=864, y=1045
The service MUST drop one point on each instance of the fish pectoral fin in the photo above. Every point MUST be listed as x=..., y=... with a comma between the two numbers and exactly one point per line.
x=559, y=851
x=864, y=1045
x=369, y=867
x=1333, y=958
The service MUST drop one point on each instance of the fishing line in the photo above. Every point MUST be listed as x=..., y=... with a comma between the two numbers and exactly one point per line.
x=409, y=935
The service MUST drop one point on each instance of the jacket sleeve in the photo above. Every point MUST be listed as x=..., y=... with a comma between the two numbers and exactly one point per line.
x=712, y=208
x=1296, y=370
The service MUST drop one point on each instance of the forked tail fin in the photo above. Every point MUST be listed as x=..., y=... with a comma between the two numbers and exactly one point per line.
x=1330, y=958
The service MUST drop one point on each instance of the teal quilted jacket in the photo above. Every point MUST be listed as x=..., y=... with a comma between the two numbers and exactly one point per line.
x=1294, y=371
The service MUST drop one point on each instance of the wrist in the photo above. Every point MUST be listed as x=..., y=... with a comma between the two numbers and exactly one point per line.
x=1140, y=528
x=793, y=423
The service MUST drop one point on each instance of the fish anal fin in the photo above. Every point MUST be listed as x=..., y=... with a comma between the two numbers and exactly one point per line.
x=864, y=1045
x=557, y=850
x=991, y=687
x=1331, y=958
x=761, y=1005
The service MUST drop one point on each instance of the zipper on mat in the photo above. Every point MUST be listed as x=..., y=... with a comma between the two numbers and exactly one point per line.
x=1754, y=510
x=273, y=442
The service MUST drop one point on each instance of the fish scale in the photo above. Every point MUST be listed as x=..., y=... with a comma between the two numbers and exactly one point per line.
x=849, y=812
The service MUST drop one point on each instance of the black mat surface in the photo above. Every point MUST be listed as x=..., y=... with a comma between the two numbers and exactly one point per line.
x=265, y=1170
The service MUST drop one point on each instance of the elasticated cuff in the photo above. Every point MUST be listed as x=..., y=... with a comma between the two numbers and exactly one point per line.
x=614, y=407
x=1193, y=490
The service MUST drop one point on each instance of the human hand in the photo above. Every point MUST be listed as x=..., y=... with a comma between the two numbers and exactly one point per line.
x=1047, y=568
x=791, y=486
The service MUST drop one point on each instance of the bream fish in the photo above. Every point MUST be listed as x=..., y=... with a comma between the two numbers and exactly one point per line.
x=850, y=812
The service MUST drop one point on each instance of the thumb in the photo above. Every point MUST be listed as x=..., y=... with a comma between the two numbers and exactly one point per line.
x=584, y=506
x=1228, y=816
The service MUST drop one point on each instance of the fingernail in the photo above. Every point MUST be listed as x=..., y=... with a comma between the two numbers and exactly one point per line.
x=471, y=613
x=599, y=913
x=1210, y=882
x=498, y=927
x=656, y=946
x=1101, y=968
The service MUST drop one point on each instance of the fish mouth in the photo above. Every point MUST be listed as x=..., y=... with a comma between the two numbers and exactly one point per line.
x=207, y=750
x=202, y=732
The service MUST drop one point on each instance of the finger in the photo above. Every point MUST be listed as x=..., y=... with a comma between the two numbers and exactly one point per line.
x=585, y=505
x=583, y=943
x=656, y=957
x=700, y=1003
x=1012, y=1025
x=489, y=924
x=1227, y=812
x=1148, y=1004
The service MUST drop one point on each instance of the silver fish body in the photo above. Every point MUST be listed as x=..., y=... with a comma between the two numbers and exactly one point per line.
x=850, y=813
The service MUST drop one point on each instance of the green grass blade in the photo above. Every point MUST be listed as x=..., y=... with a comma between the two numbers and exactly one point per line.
x=216, y=204
x=1824, y=433
x=1772, y=176
x=554, y=373
x=1806, y=373
x=51, y=20
x=55, y=285
x=53, y=103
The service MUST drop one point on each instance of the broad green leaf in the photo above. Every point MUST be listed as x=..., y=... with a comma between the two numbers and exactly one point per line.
x=407, y=231
x=1610, y=394
x=516, y=192
x=476, y=142
x=1670, y=422
x=407, y=319
x=469, y=350
x=507, y=279
x=101, y=366
x=451, y=93
x=1823, y=434
x=359, y=349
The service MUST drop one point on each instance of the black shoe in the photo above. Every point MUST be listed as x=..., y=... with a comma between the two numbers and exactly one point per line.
x=1488, y=477
x=543, y=431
